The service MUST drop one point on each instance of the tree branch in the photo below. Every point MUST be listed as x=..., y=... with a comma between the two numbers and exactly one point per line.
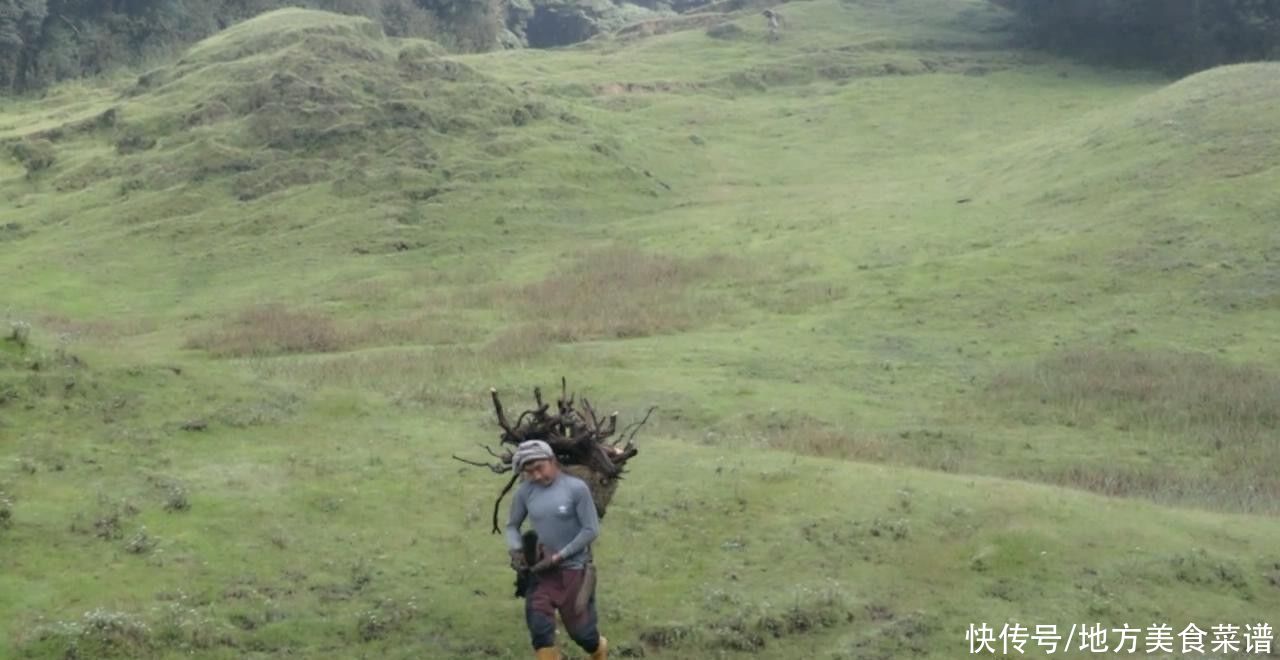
x=497, y=468
x=502, y=417
x=498, y=502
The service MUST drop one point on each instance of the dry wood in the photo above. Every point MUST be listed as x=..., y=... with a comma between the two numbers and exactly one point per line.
x=579, y=438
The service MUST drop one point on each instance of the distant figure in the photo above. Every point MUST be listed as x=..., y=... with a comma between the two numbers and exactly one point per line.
x=775, y=23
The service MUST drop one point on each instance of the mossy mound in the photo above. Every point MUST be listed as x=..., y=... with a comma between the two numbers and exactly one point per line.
x=297, y=97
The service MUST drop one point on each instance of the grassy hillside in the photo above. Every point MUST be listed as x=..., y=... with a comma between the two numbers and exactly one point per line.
x=940, y=332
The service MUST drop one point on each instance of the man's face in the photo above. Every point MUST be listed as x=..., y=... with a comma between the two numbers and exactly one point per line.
x=542, y=472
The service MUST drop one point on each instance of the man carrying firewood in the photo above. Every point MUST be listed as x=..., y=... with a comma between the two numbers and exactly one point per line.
x=563, y=514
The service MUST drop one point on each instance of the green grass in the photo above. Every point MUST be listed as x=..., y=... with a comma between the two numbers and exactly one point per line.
x=941, y=331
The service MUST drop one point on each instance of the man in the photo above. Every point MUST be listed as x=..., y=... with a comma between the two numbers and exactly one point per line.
x=560, y=507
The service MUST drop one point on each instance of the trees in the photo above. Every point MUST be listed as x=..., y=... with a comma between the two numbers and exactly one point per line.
x=1179, y=35
x=21, y=23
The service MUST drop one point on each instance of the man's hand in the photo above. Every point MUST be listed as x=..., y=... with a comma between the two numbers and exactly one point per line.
x=518, y=562
x=547, y=563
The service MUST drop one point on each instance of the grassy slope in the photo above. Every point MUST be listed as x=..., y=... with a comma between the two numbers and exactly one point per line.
x=823, y=292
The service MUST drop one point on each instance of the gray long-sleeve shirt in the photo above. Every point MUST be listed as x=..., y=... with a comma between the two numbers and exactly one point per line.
x=563, y=514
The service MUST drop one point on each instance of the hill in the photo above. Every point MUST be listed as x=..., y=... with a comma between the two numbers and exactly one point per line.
x=903, y=292
x=315, y=524
x=1147, y=268
x=188, y=167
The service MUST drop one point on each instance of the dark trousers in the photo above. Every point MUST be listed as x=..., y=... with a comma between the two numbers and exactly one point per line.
x=572, y=592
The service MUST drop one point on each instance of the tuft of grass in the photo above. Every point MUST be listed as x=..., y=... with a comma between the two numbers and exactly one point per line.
x=270, y=329
x=182, y=626
x=98, y=330
x=725, y=31
x=802, y=433
x=99, y=633
x=175, y=499
x=612, y=293
x=755, y=630
x=1226, y=404
x=1254, y=488
x=140, y=543
x=1199, y=567
x=385, y=618
x=665, y=636
x=35, y=155
x=417, y=329
x=277, y=329
x=19, y=333
x=810, y=436
x=6, y=511
x=107, y=522
x=523, y=342
x=1176, y=403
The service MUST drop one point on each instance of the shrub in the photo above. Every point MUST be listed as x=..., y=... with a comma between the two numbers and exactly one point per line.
x=141, y=543
x=6, y=511
x=20, y=333
x=35, y=155
x=725, y=31
x=176, y=499
x=384, y=618
x=100, y=633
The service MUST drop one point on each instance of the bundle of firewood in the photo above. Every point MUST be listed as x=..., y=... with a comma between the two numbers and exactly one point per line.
x=588, y=446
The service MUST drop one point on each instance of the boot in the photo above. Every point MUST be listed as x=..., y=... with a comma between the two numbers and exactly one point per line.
x=547, y=653
x=602, y=651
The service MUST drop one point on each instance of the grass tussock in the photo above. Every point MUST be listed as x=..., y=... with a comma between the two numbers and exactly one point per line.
x=385, y=618
x=1224, y=403
x=6, y=511
x=801, y=433
x=180, y=625
x=270, y=329
x=1182, y=404
x=523, y=342
x=19, y=333
x=95, y=329
x=814, y=438
x=754, y=630
x=613, y=293
x=276, y=329
x=798, y=297
x=1252, y=490
x=99, y=633
x=418, y=329
x=34, y=155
